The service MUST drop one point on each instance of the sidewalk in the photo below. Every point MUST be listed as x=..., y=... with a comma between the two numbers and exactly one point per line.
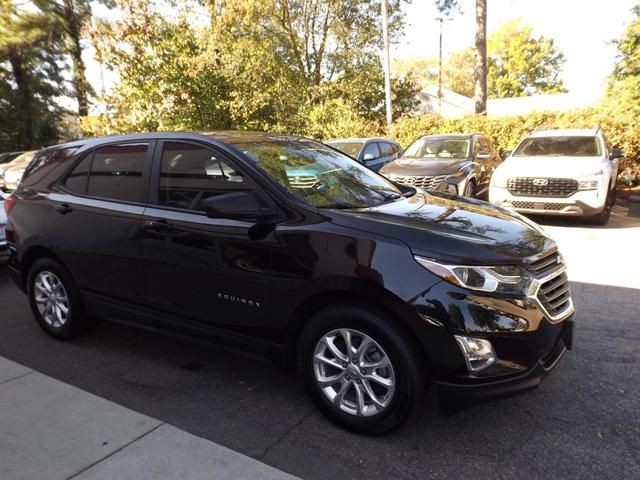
x=51, y=430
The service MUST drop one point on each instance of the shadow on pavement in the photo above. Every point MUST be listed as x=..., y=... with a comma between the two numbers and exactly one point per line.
x=581, y=423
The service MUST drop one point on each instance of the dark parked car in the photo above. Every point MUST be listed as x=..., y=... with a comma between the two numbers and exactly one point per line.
x=3, y=224
x=458, y=164
x=372, y=152
x=374, y=291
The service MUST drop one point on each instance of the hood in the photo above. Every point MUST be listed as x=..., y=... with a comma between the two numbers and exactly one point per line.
x=552, y=166
x=452, y=229
x=424, y=166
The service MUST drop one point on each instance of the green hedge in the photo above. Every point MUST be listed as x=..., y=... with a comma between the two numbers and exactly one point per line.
x=622, y=131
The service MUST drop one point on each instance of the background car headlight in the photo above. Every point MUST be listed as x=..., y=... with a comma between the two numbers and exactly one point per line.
x=500, y=279
x=590, y=182
x=498, y=180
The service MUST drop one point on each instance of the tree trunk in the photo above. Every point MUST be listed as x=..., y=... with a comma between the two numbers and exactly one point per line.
x=79, y=80
x=480, y=73
x=24, y=114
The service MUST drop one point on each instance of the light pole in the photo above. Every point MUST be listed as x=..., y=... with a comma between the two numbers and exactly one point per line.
x=386, y=64
x=441, y=20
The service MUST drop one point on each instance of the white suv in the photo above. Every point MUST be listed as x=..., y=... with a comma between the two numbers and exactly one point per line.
x=559, y=172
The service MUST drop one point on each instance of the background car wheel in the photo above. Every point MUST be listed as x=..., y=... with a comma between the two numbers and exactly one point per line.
x=470, y=189
x=602, y=218
x=360, y=371
x=54, y=300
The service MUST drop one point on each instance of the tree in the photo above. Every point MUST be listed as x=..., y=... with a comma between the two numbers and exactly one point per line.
x=480, y=71
x=30, y=77
x=73, y=16
x=521, y=64
x=262, y=65
x=624, y=82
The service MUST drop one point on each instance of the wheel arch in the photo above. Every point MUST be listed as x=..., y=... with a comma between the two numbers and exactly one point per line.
x=29, y=258
x=384, y=303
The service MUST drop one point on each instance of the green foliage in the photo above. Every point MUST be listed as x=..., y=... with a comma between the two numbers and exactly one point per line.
x=274, y=65
x=521, y=64
x=624, y=82
x=30, y=77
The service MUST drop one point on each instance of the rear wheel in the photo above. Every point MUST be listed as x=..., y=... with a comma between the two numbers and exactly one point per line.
x=360, y=371
x=54, y=299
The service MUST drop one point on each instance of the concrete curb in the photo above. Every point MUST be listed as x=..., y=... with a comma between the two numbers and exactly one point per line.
x=52, y=430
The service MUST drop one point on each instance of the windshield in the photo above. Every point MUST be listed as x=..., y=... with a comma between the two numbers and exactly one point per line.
x=350, y=148
x=559, y=147
x=438, y=148
x=318, y=175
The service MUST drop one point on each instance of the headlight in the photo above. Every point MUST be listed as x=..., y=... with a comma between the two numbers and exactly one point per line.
x=500, y=279
x=590, y=182
x=498, y=180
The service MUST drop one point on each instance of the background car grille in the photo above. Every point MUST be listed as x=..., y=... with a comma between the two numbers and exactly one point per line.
x=426, y=182
x=540, y=206
x=554, y=294
x=555, y=187
x=302, y=181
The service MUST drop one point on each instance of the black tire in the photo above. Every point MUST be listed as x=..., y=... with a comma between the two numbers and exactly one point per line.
x=75, y=320
x=470, y=189
x=602, y=218
x=409, y=372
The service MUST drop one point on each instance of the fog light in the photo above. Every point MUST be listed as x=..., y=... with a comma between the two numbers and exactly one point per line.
x=477, y=352
x=452, y=189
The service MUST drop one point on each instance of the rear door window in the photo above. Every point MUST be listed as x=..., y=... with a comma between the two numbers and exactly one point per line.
x=386, y=149
x=117, y=172
x=76, y=181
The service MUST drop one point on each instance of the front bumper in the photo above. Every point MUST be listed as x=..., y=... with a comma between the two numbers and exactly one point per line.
x=469, y=391
x=587, y=202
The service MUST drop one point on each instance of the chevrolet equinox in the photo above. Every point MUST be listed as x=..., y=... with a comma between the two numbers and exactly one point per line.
x=373, y=290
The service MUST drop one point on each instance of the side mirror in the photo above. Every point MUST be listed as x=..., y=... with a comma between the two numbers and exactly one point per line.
x=483, y=156
x=368, y=157
x=504, y=154
x=237, y=206
x=616, y=153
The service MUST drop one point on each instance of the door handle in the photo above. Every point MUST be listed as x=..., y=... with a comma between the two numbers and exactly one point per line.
x=62, y=208
x=158, y=225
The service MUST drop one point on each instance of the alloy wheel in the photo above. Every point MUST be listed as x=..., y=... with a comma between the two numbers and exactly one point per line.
x=51, y=299
x=354, y=372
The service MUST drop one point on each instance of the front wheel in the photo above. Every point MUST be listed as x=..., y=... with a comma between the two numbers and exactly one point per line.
x=602, y=218
x=360, y=371
x=470, y=189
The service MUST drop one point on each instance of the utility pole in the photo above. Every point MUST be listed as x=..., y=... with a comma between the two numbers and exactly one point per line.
x=441, y=20
x=386, y=64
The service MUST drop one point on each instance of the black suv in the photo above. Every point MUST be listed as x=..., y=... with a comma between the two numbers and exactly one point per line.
x=457, y=163
x=374, y=291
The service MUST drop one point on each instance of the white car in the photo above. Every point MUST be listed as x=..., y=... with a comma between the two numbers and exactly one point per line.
x=559, y=172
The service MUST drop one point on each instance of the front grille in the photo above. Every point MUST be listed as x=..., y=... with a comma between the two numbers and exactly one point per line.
x=302, y=181
x=554, y=293
x=542, y=187
x=540, y=206
x=425, y=182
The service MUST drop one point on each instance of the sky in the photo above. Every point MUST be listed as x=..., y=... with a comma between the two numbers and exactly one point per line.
x=581, y=29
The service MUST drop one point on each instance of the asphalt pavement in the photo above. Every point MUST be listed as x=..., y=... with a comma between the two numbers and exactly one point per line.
x=583, y=422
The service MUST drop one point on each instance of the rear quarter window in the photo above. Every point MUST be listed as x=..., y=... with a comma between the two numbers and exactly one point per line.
x=47, y=165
